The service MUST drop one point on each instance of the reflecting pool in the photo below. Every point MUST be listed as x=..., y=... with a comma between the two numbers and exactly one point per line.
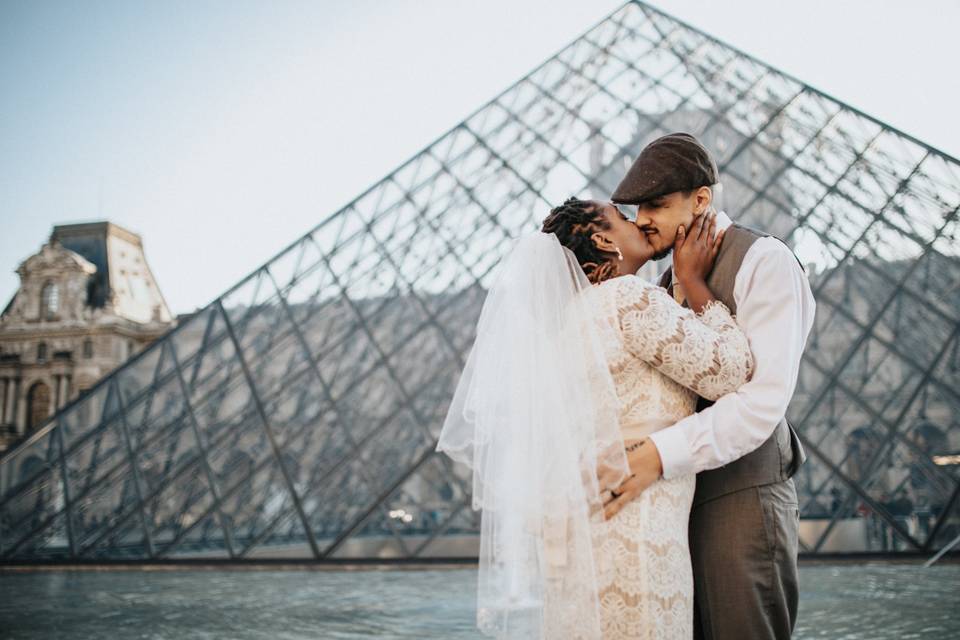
x=846, y=602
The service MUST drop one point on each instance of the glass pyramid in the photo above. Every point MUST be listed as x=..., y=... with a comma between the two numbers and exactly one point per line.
x=296, y=415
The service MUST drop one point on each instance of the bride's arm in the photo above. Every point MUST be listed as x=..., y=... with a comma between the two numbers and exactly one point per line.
x=693, y=258
x=705, y=352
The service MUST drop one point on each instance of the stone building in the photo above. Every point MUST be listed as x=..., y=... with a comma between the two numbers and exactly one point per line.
x=87, y=301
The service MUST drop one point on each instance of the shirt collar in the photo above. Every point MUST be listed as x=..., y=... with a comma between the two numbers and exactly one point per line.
x=723, y=220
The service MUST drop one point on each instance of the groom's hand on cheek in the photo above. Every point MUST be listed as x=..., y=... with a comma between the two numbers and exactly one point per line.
x=645, y=469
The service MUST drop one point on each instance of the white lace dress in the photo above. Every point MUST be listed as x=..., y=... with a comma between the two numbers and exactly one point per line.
x=661, y=356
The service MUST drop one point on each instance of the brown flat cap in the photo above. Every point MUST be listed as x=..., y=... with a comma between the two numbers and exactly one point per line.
x=675, y=162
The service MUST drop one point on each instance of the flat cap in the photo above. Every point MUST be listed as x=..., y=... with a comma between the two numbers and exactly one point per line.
x=675, y=162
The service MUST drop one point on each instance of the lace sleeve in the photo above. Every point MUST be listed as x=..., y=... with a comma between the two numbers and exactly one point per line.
x=705, y=352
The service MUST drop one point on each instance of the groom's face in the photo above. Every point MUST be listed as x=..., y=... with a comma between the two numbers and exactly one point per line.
x=660, y=218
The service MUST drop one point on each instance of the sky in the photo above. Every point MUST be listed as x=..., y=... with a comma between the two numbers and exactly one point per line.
x=222, y=131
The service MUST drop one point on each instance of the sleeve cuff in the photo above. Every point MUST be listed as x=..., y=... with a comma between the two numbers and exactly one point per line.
x=674, y=452
x=715, y=314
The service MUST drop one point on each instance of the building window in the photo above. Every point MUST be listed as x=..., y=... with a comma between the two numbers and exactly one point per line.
x=42, y=351
x=49, y=301
x=88, y=348
x=38, y=405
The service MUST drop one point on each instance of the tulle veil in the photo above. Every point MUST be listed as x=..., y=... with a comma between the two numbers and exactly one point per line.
x=534, y=416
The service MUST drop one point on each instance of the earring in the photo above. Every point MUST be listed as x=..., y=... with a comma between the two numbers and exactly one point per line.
x=619, y=253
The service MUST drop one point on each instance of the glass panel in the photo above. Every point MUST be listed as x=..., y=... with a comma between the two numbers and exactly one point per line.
x=101, y=506
x=181, y=517
x=33, y=508
x=428, y=502
x=284, y=539
x=26, y=463
x=51, y=543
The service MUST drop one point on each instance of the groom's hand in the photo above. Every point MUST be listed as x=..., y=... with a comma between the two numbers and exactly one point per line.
x=645, y=469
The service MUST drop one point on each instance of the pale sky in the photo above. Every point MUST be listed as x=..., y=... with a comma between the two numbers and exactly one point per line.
x=222, y=131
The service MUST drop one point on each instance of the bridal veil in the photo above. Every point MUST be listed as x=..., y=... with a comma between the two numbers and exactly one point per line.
x=535, y=416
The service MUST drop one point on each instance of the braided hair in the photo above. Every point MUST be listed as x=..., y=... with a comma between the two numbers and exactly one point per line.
x=573, y=223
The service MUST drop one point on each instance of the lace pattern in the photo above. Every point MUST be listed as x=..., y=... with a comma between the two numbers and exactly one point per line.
x=661, y=356
x=705, y=352
x=648, y=593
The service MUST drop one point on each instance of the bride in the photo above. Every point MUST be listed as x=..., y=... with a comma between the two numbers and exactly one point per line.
x=576, y=360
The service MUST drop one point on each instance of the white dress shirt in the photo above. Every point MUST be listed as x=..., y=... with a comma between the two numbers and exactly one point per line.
x=775, y=309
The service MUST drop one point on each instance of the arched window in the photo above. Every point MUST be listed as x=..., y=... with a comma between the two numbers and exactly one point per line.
x=38, y=405
x=49, y=300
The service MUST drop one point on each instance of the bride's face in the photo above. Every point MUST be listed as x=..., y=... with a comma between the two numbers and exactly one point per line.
x=625, y=235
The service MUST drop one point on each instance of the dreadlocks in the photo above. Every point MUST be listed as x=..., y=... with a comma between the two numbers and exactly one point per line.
x=573, y=223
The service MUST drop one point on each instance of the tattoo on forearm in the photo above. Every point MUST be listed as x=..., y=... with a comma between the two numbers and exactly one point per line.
x=635, y=446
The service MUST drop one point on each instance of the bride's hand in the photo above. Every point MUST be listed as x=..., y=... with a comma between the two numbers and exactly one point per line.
x=695, y=252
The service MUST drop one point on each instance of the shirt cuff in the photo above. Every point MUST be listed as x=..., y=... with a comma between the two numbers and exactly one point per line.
x=674, y=452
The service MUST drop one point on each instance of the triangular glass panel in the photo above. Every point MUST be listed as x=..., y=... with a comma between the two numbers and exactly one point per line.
x=283, y=537
x=50, y=543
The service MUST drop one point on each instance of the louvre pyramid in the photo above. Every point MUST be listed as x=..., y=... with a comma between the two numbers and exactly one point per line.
x=296, y=415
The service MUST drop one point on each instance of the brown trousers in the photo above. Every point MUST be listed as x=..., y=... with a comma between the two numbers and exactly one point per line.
x=744, y=551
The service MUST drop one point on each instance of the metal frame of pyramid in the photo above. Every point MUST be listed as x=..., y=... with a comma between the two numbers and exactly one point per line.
x=296, y=415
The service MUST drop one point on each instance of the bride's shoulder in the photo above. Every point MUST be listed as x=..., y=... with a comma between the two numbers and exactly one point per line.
x=630, y=282
x=631, y=287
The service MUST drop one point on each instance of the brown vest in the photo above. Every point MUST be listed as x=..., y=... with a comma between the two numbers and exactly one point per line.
x=781, y=455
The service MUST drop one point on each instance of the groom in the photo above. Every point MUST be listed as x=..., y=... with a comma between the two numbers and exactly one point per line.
x=745, y=516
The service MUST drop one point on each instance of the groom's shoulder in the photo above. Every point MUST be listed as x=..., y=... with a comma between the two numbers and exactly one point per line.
x=749, y=234
x=766, y=246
